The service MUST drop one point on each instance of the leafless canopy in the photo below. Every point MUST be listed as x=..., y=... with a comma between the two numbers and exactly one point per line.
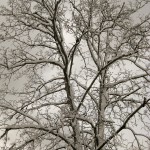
x=74, y=75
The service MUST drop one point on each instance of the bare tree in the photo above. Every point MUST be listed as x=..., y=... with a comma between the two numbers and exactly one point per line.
x=74, y=75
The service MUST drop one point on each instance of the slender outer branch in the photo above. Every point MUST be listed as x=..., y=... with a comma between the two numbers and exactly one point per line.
x=124, y=124
x=100, y=71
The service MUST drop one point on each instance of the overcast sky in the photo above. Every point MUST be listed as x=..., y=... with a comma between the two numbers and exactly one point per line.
x=143, y=12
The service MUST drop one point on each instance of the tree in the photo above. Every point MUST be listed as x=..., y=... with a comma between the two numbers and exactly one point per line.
x=74, y=75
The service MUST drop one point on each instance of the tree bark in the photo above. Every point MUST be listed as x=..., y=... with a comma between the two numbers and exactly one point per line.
x=101, y=109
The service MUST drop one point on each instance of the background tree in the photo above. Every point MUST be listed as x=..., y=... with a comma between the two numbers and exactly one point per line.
x=74, y=75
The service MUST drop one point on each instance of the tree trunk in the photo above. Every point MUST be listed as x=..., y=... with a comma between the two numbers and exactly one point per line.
x=101, y=111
